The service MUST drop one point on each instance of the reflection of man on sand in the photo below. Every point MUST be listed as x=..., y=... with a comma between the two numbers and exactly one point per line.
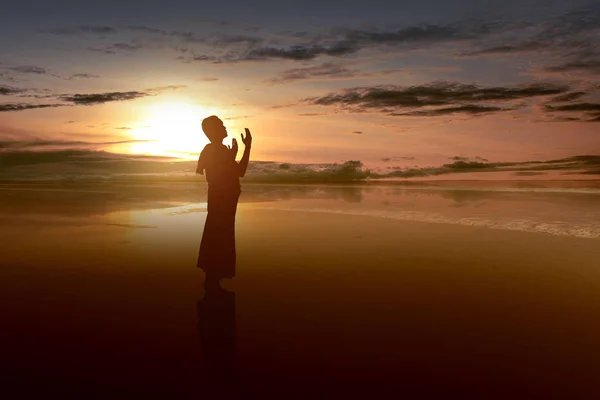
x=217, y=333
x=217, y=161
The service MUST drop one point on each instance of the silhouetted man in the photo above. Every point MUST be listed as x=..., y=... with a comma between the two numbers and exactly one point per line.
x=217, y=161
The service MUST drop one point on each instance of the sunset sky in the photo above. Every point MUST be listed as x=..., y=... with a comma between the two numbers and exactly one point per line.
x=315, y=81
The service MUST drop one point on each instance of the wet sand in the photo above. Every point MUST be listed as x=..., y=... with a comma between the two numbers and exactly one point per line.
x=324, y=306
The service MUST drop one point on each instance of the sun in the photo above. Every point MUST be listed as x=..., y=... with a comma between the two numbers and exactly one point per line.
x=171, y=129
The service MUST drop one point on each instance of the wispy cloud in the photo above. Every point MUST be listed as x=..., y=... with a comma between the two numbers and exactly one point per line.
x=22, y=106
x=586, y=112
x=100, y=98
x=86, y=99
x=83, y=76
x=8, y=90
x=118, y=48
x=447, y=97
x=83, y=29
x=327, y=70
x=570, y=38
x=40, y=143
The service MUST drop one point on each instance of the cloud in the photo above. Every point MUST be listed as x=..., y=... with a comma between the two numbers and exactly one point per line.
x=587, y=112
x=466, y=109
x=84, y=29
x=328, y=70
x=100, y=98
x=22, y=106
x=507, y=49
x=357, y=132
x=298, y=52
x=7, y=90
x=84, y=99
x=567, y=97
x=77, y=158
x=325, y=70
x=28, y=69
x=428, y=33
x=311, y=114
x=451, y=97
x=161, y=89
x=570, y=37
x=576, y=107
x=37, y=143
x=592, y=66
x=123, y=128
x=84, y=76
x=338, y=42
x=117, y=47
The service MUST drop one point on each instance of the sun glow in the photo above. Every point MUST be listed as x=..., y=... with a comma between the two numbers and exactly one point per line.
x=171, y=129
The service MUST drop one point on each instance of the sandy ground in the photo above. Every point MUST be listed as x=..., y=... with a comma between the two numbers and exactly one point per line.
x=325, y=305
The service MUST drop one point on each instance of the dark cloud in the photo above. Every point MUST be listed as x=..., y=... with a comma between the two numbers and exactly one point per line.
x=23, y=106
x=428, y=33
x=507, y=49
x=217, y=40
x=575, y=107
x=466, y=109
x=299, y=52
x=326, y=70
x=84, y=76
x=100, y=98
x=456, y=97
x=84, y=29
x=229, y=39
x=587, y=112
x=357, y=132
x=28, y=69
x=161, y=89
x=567, y=97
x=123, y=128
x=591, y=66
x=126, y=46
x=118, y=48
x=571, y=37
x=7, y=90
x=28, y=144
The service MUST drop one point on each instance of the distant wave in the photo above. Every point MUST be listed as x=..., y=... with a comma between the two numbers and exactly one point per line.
x=587, y=231
x=509, y=189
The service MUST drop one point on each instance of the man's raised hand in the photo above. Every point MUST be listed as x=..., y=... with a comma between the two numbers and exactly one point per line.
x=247, y=140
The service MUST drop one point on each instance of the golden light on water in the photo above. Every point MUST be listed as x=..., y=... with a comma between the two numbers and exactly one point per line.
x=171, y=129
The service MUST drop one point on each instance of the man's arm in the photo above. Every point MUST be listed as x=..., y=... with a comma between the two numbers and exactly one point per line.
x=201, y=166
x=243, y=164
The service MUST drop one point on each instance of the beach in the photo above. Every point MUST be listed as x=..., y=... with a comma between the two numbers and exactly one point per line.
x=339, y=290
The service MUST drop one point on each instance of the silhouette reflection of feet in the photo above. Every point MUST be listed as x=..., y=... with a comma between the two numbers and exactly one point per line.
x=217, y=333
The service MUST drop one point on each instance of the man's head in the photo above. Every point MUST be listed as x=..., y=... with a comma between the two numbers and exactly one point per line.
x=214, y=129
